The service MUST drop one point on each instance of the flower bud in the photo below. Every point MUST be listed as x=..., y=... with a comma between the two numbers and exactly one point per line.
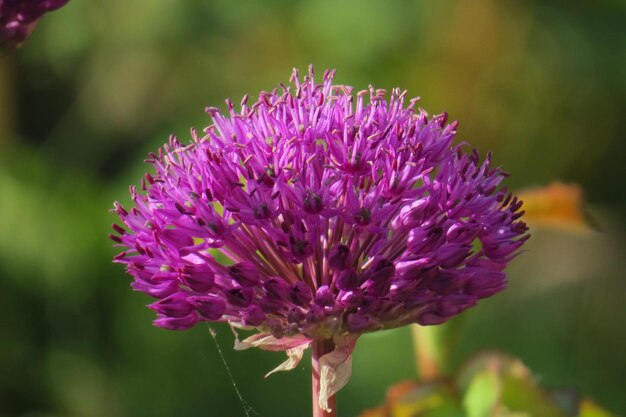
x=253, y=316
x=177, y=323
x=239, y=297
x=301, y=294
x=340, y=257
x=175, y=305
x=245, y=273
x=210, y=307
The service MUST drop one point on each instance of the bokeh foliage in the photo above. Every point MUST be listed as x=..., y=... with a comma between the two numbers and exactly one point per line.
x=489, y=384
x=102, y=83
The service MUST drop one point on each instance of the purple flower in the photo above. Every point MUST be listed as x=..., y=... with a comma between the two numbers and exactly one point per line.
x=342, y=214
x=18, y=19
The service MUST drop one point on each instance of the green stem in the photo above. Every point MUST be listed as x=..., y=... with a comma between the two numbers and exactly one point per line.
x=429, y=351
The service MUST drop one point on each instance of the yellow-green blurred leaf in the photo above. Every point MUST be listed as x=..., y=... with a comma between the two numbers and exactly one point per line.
x=424, y=400
x=519, y=392
x=411, y=399
x=483, y=394
x=589, y=409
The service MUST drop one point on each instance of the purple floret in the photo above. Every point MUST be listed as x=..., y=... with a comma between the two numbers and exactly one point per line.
x=18, y=19
x=341, y=213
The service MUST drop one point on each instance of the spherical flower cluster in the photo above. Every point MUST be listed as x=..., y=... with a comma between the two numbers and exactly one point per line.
x=337, y=213
x=18, y=19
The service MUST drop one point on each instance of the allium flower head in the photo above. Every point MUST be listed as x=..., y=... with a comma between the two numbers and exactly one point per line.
x=340, y=213
x=18, y=19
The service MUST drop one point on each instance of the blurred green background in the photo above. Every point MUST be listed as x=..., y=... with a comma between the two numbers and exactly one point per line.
x=101, y=83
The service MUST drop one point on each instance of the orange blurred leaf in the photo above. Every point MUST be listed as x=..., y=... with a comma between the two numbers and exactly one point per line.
x=557, y=205
x=376, y=412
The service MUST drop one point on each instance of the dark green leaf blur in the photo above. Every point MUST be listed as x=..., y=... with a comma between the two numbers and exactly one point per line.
x=100, y=84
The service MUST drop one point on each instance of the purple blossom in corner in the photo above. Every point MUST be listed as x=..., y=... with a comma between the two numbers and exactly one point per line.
x=18, y=19
x=341, y=213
